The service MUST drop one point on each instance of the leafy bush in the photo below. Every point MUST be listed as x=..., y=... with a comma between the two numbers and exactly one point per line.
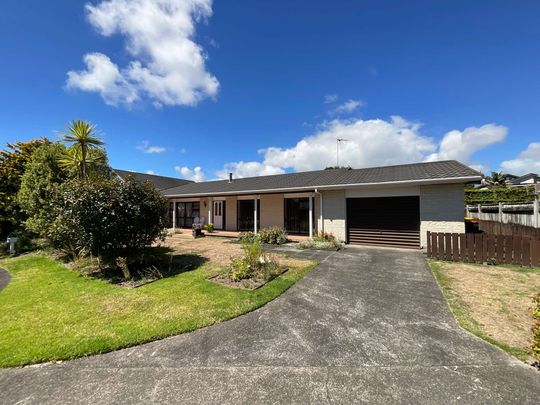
x=273, y=235
x=496, y=195
x=322, y=241
x=247, y=237
x=254, y=263
x=40, y=185
x=109, y=218
x=13, y=162
x=209, y=227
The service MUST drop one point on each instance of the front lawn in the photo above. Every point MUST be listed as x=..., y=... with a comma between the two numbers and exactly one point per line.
x=49, y=312
x=495, y=303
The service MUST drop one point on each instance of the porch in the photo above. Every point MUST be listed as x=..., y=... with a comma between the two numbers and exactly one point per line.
x=235, y=234
x=298, y=213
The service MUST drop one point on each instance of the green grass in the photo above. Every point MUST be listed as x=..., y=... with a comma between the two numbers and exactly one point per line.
x=49, y=312
x=463, y=316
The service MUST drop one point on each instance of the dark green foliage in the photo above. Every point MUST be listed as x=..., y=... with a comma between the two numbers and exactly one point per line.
x=496, y=195
x=109, y=218
x=12, y=166
x=273, y=235
x=39, y=187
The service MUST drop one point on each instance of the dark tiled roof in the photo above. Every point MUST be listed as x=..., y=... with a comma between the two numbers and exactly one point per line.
x=159, y=182
x=528, y=176
x=323, y=178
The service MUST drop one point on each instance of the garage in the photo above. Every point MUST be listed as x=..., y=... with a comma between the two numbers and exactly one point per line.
x=384, y=221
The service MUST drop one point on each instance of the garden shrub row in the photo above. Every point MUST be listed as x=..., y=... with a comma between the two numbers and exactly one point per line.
x=496, y=195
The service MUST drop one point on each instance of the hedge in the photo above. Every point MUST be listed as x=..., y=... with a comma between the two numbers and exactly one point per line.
x=497, y=195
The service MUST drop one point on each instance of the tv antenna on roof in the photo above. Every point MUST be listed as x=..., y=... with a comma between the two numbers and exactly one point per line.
x=338, y=140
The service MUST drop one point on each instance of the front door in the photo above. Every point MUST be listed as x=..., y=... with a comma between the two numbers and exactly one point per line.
x=219, y=212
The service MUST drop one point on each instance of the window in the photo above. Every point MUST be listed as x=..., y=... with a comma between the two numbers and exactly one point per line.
x=186, y=212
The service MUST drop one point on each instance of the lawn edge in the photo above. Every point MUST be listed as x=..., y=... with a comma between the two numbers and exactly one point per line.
x=464, y=320
x=305, y=270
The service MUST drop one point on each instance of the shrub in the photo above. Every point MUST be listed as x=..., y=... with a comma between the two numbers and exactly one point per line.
x=40, y=185
x=274, y=235
x=322, y=241
x=209, y=227
x=247, y=237
x=254, y=263
x=109, y=218
x=496, y=195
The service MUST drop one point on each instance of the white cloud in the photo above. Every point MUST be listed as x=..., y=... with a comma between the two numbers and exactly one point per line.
x=526, y=162
x=369, y=143
x=330, y=98
x=102, y=76
x=145, y=147
x=248, y=169
x=195, y=174
x=150, y=172
x=461, y=145
x=168, y=67
x=347, y=107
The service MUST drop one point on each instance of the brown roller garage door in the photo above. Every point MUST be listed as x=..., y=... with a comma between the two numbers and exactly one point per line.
x=384, y=221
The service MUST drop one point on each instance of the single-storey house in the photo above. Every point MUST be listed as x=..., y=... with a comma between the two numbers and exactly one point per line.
x=383, y=206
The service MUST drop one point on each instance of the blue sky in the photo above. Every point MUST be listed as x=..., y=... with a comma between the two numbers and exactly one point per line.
x=261, y=87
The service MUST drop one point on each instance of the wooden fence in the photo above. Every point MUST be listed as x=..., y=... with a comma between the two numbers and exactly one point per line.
x=483, y=247
x=498, y=228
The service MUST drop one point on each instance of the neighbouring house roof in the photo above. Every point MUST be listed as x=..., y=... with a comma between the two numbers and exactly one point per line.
x=422, y=173
x=159, y=182
x=519, y=180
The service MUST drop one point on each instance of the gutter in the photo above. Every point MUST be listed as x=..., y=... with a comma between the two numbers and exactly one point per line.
x=444, y=180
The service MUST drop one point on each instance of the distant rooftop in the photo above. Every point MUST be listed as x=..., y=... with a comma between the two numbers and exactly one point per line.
x=428, y=172
x=160, y=182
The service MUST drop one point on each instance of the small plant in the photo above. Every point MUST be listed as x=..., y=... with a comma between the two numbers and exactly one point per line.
x=322, y=241
x=209, y=228
x=273, y=235
x=255, y=264
x=247, y=237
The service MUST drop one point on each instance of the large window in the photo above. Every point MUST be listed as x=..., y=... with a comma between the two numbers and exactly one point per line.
x=186, y=212
x=297, y=215
x=246, y=212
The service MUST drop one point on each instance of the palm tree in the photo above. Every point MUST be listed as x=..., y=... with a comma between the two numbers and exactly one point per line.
x=83, y=137
x=497, y=179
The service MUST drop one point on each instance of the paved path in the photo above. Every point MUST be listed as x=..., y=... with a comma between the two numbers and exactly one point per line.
x=4, y=278
x=367, y=325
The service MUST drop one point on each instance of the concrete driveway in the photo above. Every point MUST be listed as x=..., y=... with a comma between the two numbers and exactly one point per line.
x=367, y=325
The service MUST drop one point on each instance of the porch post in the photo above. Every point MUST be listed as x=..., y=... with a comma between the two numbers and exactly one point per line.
x=255, y=215
x=174, y=216
x=321, y=217
x=210, y=208
x=311, y=215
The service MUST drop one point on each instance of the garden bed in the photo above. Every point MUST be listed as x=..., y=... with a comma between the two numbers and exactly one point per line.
x=246, y=284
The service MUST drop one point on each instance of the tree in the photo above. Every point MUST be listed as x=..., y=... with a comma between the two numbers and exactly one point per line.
x=497, y=179
x=40, y=184
x=110, y=218
x=83, y=137
x=12, y=166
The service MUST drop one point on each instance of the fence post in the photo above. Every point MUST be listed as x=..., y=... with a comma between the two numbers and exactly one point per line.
x=500, y=212
x=479, y=211
x=536, y=213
